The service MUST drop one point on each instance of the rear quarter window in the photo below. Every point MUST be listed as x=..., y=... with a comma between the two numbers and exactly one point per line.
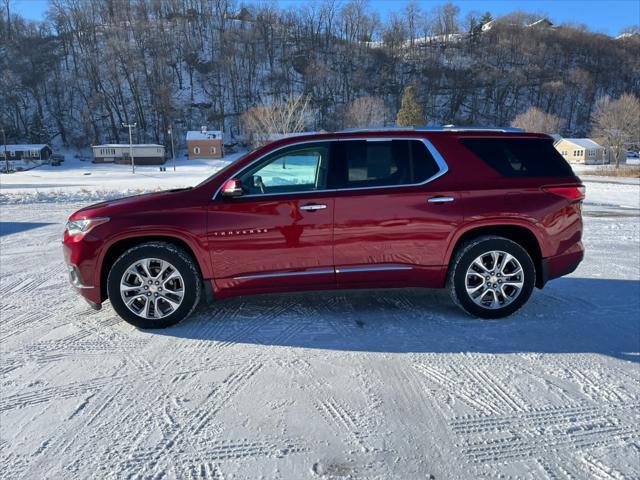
x=520, y=157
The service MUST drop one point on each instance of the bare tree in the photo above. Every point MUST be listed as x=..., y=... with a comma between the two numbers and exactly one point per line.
x=445, y=19
x=264, y=122
x=365, y=112
x=617, y=122
x=535, y=120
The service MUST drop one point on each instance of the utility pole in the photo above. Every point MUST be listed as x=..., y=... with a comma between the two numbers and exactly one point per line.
x=6, y=157
x=130, y=126
x=173, y=151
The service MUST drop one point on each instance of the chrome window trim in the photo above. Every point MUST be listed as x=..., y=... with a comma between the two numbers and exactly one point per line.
x=442, y=165
x=381, y=268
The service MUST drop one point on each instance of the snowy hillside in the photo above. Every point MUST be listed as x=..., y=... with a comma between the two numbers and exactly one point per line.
x=163, y=64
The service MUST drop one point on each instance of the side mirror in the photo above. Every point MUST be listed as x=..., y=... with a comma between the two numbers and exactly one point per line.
x=232, y=188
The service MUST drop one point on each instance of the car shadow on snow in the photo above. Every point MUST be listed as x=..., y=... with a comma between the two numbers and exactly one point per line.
x=8, y=228
x=571, y=315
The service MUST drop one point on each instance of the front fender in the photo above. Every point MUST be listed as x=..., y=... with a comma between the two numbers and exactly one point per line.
x=195, y=244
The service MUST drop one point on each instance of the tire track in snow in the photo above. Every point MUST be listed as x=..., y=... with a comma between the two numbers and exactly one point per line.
x=201, y=471
x=75, y=346
x=349, y=425
x=59, y=392
x=502, y=450
x=539, y=418
x=598, y=470
x=343, y=420
x=481, y=398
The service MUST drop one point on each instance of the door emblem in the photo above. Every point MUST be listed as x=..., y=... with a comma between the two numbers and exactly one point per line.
x=229, y=233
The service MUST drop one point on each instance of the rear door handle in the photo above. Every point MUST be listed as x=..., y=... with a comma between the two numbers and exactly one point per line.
x=313, y=208
x=440, y=199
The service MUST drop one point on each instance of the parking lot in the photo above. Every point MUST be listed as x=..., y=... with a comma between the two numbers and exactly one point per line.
x=358, y=384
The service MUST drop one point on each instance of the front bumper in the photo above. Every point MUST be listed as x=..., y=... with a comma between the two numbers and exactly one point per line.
x=80, y=264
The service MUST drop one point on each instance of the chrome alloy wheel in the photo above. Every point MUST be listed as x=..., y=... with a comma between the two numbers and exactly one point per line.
x=494, y=279
x=152, y=288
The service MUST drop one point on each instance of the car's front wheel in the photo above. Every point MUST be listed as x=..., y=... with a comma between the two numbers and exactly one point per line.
x=491, y=277
x=154, y=285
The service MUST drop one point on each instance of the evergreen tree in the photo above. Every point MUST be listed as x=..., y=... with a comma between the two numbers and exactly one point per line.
x=411, y=112
x=37, y=130
x=486, y=18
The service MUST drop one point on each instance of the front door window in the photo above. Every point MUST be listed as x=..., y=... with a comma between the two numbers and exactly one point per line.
x=296, y=169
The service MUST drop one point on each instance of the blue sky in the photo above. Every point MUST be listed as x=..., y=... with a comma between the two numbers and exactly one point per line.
x=607, y=16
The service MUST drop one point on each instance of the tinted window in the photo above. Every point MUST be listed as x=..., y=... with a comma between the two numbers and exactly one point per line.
x=296, y=169
x=361, y=163
x=520, y=157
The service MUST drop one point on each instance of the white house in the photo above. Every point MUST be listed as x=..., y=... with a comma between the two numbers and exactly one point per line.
x=143, y=154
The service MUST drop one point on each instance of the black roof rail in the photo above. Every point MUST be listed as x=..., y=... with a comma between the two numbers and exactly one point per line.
x=456, y=128
x=375, y=129
x=435, y=128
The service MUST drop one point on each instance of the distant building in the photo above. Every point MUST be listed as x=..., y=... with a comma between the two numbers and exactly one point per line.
x=143, y=154
x=580, y=150
x=204, y=144
x=26, y=152
x=542, y=23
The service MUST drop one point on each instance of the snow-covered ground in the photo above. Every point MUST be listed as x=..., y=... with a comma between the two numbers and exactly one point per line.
x=394, y=384
x=84, y=181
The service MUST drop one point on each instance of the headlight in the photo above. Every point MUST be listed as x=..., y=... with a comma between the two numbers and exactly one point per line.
x=77, y=227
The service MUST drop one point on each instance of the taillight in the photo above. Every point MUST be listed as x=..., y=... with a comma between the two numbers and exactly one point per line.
x=573, y=193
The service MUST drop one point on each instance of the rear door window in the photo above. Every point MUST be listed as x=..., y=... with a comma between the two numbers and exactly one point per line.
x=362, y=163
x=520, y=157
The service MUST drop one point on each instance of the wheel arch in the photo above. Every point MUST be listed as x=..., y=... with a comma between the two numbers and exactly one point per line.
x=522, y=234
x=118, y=247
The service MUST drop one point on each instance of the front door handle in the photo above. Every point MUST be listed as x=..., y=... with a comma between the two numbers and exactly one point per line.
x=440, y=199
x=313, y=208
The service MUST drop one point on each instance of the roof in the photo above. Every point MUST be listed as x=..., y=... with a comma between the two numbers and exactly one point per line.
x=583, y=142
x=24, y=147
x=208, y=135
x=114, y=145
x=543, y=22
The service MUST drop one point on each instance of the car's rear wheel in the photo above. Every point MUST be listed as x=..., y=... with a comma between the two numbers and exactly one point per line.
x=154, y=285
x=491, y=277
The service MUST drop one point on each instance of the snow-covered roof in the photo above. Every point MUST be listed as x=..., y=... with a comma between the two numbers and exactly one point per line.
x=488, y=26
x=583, y=142
x=627, y=35
x=207, y=135
x=23, y=147
x=543, y=22
x=114, y=145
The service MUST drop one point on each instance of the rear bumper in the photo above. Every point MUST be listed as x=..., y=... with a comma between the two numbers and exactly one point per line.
x=560, y=265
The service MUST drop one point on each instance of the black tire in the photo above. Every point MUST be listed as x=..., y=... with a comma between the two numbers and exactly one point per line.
x=466, y=254
x=181, y=260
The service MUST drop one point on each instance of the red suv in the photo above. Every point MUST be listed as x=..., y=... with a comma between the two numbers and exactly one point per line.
x=486, y=213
